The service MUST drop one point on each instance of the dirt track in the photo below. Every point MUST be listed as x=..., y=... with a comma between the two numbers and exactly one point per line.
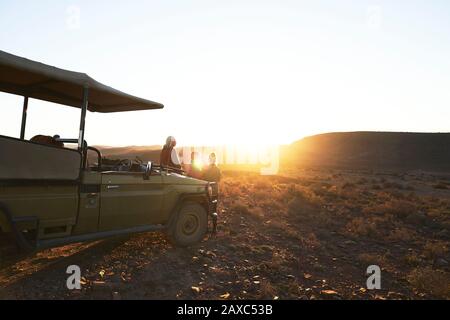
x=147, y=267
x=261, y=251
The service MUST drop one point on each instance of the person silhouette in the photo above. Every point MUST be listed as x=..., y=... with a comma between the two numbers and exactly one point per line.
x=212, y=172
x=169, y=157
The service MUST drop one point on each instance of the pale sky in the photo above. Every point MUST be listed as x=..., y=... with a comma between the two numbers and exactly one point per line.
x=238, y=72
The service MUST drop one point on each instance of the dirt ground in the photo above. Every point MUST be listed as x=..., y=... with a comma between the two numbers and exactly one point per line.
x=303, y=234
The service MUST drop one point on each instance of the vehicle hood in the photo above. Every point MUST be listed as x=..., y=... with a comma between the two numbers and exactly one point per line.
x=175, y=178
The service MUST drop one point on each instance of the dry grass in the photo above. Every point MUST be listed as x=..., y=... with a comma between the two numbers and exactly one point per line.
x=292, y=236
x=393, y=213
x=435, y=249
x=434, y=282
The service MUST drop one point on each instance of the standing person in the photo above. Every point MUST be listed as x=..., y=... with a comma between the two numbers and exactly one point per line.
x=169, y=156
x=212, y=172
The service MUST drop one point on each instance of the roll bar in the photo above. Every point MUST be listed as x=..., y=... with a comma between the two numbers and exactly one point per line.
x=85, y=148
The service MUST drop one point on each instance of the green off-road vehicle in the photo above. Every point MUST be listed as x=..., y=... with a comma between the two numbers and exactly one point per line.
x=52, y=195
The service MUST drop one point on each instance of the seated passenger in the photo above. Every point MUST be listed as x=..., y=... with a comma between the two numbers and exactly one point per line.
x=56, y=138
x=169, y=156
x=47, y=140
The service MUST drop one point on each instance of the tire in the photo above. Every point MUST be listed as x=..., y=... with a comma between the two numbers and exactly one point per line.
x=190, y=225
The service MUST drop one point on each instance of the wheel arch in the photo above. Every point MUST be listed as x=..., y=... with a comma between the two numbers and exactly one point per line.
x=185, y=198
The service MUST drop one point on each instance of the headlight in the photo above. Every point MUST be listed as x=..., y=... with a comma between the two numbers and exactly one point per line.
x=209, y=190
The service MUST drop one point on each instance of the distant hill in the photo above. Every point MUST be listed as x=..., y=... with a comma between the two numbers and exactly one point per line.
x=352, y=150
x=372, y=150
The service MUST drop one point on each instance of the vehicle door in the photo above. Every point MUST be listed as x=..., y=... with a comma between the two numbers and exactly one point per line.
x=89, y=208
x=129, y=200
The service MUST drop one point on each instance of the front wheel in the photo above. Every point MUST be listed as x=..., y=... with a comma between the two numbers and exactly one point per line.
x=190, y=226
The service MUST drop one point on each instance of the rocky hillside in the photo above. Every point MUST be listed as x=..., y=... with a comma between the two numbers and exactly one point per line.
x=372, y=150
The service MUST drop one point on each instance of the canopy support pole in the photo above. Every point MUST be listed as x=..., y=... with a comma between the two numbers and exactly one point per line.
x=24, y=118
x=83, y=119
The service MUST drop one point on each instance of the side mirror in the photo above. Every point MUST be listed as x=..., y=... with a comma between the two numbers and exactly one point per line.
x=148, y=170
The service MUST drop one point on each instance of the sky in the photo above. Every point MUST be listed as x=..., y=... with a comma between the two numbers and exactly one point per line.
x=238, y=72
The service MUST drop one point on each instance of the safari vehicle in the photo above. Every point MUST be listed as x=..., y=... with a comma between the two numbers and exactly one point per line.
x=50, y=194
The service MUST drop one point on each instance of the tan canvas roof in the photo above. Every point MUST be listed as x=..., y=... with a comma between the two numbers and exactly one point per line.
x=40, y=81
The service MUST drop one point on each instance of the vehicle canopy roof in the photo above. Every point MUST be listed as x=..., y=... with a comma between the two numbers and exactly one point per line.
x=40, y=81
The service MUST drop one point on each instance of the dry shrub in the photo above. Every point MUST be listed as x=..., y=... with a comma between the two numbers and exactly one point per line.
x=402, y=234
x=440, y=185
x=261, y=194
x=262, y=184
x=435, y=282
x=299, y=208
x=350, y=193
x=412, y=259
x=397, y=194
x=292, y=188
x=326, y=193
x=362, y=181
x=361, y=227
x=396, y=208
x=293, y=290
x=279, y=193
x=257, y=212
x=308, y=196
x=434, y=202
x=292, y=233
x=400, y=208
x=333, y=189
x=392, y=185
x=230, y=188
x=276, y=263
x=272, y=199
x=434, y=250
x=372, y=259
x=297, y=203
x=438, y=213
x=310, y=241
x=266, y=290
x=273, y=205
x=239, y=207
x=348, y=185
